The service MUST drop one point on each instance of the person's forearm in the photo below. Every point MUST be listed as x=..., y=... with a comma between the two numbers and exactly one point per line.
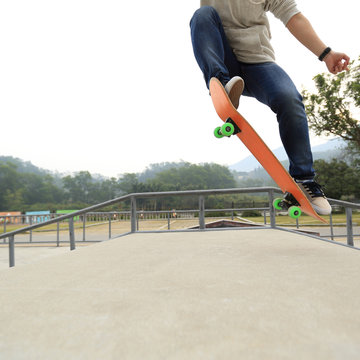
x=300, y=27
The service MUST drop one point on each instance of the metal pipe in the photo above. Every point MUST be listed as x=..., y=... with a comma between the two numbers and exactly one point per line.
x=272, y=210
x=84, y=227
x=58, y=234
x=331, y=227
x=349, y=227
x=133, y=214
x=71, y=234
x=201, y=212
x=11, y=251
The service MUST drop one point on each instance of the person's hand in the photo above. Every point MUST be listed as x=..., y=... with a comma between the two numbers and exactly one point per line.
x=337, y=62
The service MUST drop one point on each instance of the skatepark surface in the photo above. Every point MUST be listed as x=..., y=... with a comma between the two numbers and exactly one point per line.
x=230, y=294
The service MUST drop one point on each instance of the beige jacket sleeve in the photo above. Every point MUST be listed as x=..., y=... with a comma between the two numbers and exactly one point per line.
x=247, y=27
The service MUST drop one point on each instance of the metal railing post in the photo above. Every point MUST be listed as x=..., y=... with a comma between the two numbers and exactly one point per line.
x=57, y=234
x=30, y=223
x=84, y=227
x=71, y=234
x=349, y=227
x=201, y=212
x=4, y=241
x=109, y=225
x=272, y=210
x=133, y=214
x=12, y=251
x=331, y=227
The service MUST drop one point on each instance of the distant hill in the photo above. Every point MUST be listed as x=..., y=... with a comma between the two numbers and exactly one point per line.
x=23, y=166
x=326, y=151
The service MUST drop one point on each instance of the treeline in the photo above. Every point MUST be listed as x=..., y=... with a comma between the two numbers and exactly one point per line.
x=33, y=188
x=24, y=187
x=341, y=180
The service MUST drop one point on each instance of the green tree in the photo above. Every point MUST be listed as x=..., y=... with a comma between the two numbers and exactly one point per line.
x=39, y=189
x=341, y=180
x=104, y=190
x=129, y=183
x=193, y=177
x=78, y=188
x=9, y=184
x=13, y=200
x=330, y=109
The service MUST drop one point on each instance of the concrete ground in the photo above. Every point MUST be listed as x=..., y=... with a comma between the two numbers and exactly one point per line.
x=31, y=253
x=231, y=294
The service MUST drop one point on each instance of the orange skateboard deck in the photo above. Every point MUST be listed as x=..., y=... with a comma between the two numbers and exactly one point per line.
x=258, y=148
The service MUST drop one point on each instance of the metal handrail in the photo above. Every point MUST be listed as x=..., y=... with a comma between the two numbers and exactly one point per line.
x=201, y=195
x=344, y=204
x=140, y=196
x=349, y=223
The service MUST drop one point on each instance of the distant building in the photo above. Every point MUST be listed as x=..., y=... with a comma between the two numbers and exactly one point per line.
x=10, y=217
x=65, y=212
x=37, y=216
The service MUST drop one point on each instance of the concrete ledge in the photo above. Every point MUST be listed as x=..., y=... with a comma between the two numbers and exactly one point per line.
x=226, y=223
x=251, y=294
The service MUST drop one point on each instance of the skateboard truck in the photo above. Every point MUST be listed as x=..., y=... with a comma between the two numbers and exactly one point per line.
x=228, y=129
x=288, y=203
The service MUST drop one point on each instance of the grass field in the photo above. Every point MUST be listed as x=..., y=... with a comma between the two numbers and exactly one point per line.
x=338, y=220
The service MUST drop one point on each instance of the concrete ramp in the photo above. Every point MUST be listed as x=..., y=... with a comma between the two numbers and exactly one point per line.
x=239, y=294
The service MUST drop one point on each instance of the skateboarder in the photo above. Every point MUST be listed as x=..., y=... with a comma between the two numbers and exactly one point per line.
x=231, y=41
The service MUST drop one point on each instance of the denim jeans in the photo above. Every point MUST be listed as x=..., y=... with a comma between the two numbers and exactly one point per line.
x=267, y=82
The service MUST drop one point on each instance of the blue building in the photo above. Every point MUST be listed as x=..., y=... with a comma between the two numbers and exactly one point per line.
x=37, y=216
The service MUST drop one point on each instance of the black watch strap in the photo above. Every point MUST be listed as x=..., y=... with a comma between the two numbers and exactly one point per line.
x=324, y=53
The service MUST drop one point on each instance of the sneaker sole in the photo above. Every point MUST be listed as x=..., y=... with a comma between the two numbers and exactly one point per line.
x=236, y=92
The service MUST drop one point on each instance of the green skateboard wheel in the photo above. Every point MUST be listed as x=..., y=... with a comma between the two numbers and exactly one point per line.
x=227, y=129
x=217, y=132
x=294, y=212
x=276, y=204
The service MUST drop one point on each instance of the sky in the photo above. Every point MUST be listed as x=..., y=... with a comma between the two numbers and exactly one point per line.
x=112, y=86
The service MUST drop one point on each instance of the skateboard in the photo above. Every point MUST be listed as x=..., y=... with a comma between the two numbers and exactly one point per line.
x=295, y=201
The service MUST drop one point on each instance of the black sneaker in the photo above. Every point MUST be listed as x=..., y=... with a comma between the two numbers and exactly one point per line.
x=316, y=196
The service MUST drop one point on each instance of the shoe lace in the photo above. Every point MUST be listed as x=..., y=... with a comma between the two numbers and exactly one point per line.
x=314, y=189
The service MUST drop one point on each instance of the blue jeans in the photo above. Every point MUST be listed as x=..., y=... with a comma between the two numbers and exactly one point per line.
x=267, y=82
